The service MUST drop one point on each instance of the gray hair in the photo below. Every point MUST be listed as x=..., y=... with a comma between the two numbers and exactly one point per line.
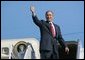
x=48, y=11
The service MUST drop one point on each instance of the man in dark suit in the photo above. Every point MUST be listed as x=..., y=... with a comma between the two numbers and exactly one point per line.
x=50, y=36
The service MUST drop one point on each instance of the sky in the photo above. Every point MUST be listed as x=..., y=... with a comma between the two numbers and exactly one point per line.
x=16, y=19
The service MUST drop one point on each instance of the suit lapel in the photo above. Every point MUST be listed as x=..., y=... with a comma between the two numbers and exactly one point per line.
x=56, y=29
x=47, y=26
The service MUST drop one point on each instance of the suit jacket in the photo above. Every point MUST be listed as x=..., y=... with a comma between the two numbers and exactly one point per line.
x=46, y=41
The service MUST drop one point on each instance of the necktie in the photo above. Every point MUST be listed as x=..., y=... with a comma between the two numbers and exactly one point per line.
x=52, y=29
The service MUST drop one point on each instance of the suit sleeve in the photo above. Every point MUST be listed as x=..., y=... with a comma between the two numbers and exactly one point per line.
x=36, y=20
x=60, y=39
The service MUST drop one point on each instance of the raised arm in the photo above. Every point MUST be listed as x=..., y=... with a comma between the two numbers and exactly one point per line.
x=34, y=17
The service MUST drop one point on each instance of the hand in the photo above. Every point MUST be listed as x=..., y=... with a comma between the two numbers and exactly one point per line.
x=32, y=9
x=67, y=50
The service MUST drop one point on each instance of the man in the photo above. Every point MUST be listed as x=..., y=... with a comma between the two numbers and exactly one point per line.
x=21, y=52
x=50, y=35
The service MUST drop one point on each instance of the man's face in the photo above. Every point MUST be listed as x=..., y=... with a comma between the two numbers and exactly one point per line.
x=21, y=47
x=49, y=16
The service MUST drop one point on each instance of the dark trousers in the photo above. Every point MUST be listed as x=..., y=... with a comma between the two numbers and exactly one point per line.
x=48, y=54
